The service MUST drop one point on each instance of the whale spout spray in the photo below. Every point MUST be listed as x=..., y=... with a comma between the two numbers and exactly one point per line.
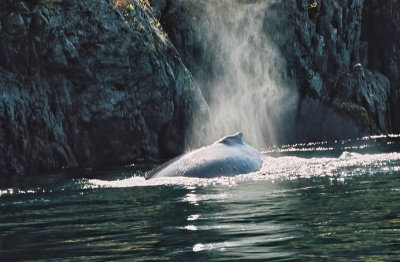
x=243, y=82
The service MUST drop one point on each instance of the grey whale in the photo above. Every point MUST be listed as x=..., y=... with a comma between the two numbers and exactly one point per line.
x=228, y=156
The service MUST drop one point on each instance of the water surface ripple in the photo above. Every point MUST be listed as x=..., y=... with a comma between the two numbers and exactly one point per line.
x=324, y=201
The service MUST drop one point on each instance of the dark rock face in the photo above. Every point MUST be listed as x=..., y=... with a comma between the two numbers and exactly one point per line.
x=381, y=30
x=343, y=63
x=329, y=62
x=87, y=83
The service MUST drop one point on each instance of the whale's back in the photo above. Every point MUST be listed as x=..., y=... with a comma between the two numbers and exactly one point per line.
x=228, y=156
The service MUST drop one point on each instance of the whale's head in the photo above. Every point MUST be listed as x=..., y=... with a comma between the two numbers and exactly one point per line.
x=232, y=140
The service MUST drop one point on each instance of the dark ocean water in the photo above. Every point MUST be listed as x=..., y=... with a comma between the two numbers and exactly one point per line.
x=337, y=201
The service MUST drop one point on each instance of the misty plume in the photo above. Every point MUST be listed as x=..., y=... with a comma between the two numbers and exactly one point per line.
x=243, y=81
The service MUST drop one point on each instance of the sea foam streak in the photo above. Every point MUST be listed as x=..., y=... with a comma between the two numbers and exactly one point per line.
x=163, y=181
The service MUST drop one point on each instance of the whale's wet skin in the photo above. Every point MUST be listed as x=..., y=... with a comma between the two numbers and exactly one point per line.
x=323, y=201
x=229, y=156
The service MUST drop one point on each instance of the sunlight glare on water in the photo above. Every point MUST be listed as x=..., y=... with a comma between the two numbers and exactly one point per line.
x=280, y=168
x=304, y=204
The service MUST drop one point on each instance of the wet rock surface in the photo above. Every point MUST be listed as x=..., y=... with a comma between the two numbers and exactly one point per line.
x=88, y=83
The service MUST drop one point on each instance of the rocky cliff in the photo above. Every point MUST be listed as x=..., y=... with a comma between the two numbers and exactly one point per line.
x=88, y=83
x=98, y=82
x=342, y=56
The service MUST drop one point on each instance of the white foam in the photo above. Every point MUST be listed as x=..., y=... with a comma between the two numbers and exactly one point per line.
x=277, y=168
x=141, y=182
